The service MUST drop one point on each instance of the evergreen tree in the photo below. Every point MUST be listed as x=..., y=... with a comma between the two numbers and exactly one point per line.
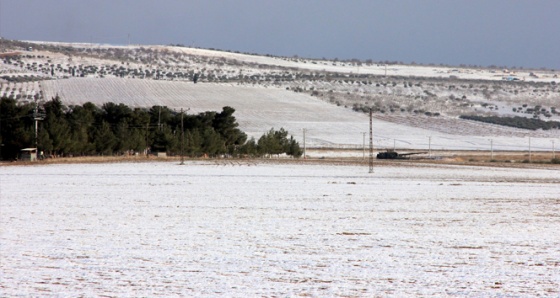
x=82, y=121
x=293, y=148
x=212, y=143
x=58, y=128
x=16, y=127
x=88, y=129
x=276, y=142
x=226, y=125
x=164, y=140
x=249, y=148
x=140, y=122
x=104, y=139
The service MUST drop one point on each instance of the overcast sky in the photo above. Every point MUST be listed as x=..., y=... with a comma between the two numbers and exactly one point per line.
x=473, y=32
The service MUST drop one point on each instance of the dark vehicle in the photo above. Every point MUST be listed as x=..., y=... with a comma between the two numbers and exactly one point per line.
x=391, y=154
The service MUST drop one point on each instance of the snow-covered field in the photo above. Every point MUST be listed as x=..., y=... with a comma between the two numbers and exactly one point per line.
x=247, y=229
x=334, y=66
x=262, y=89
x=258, y=109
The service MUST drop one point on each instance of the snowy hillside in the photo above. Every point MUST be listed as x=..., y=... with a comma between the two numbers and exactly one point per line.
x=324, y=97
x=260, y=108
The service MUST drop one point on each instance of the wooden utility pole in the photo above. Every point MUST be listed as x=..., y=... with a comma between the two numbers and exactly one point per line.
x=147, y=133
x=530, y=157
x=182, y=140
x=430, y=146
x=159, y=119
x=304, y=152
x=370, y=141
x=553, y=151
x=364, y=145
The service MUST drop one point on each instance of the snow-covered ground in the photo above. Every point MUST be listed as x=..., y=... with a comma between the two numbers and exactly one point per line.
x=246, y=229
x=262, y=90
x=338, y=66
x=258, y=109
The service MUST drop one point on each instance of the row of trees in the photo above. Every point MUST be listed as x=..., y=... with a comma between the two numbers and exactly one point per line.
x=518, y=122
x=115, y=129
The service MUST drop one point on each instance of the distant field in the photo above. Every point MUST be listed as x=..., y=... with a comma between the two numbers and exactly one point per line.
x=262, y=90
x=260, y=108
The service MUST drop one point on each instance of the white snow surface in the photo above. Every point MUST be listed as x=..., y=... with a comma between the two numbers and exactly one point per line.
x=338, y=66
x=244, y=229
x=258, y=109
x=262, y=105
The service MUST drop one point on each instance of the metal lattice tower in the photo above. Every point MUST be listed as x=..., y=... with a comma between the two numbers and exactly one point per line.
x=37, y=116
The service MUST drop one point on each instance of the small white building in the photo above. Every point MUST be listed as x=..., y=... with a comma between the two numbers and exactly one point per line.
x=29, y=154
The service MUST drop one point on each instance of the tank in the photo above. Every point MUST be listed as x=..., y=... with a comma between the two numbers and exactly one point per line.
x=391, y=154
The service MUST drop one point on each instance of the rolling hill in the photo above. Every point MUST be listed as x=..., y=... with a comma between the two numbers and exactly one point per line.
x=323, y=97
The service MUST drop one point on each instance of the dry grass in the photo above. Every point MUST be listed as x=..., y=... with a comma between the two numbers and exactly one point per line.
x=479, y=158
x=88, y=159
x=504, y=157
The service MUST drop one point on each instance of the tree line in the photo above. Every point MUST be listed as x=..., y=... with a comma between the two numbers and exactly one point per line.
x=116, y=129
x=516, y=121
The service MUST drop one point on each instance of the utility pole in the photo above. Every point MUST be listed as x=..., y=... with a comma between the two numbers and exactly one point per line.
x=530, y=157
x=491, y=149
x=553, y=153
x=182, y=140
x=364, y=145
x=37, y=117
x=304, y=152
x=147, y=132
x=370, y=141
x=430, y=146
x=158, y=119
